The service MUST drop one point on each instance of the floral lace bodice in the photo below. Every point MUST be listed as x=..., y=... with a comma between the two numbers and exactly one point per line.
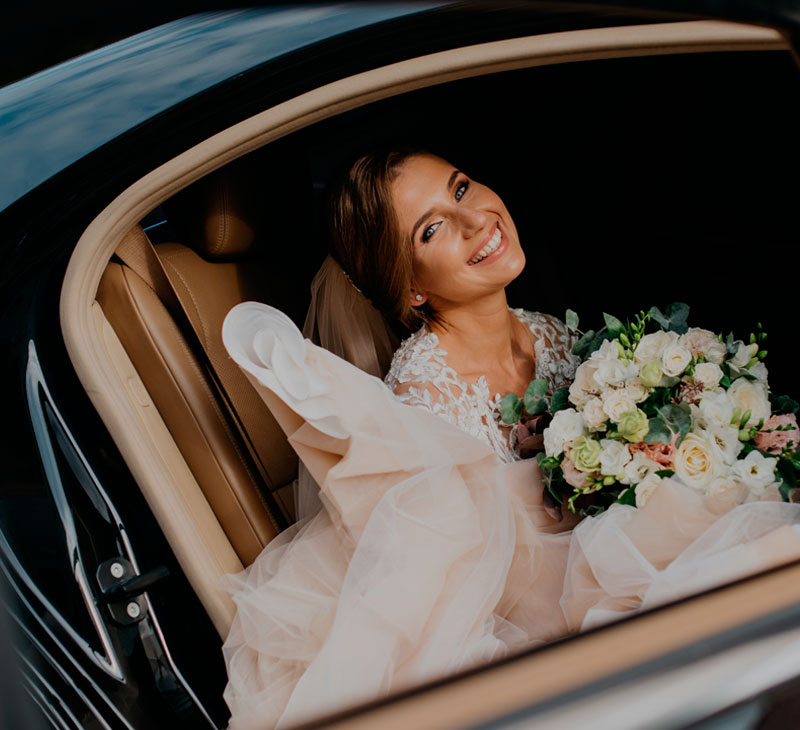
x=420, y=376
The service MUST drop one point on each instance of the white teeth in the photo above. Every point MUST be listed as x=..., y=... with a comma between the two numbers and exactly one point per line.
x=490, y=247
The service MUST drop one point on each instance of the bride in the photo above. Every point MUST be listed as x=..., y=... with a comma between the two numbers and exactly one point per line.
x=426, y=548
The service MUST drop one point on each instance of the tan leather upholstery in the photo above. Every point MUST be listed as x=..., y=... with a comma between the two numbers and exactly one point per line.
x=176, y=381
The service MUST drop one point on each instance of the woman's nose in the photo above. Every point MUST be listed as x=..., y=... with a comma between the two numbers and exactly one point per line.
x=472, y=219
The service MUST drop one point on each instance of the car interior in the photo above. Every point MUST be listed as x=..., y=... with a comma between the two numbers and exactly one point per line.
x=630, y=175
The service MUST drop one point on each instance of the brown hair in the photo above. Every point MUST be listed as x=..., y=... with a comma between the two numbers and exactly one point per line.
x=366, y=237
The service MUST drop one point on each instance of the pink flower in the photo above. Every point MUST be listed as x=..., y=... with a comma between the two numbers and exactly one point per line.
x=657, y=451
x=572, y=475
x=772, y=441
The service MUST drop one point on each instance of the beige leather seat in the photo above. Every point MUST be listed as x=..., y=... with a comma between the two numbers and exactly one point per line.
x=223, y=261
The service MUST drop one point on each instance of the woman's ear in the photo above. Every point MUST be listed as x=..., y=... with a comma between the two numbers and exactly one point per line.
x=417, y=298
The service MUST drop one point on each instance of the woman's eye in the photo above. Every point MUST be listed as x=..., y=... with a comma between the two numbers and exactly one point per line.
x=461, y=189
x=429, y=231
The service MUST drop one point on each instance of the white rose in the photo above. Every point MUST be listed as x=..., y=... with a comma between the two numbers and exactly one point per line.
x=709, y=374
x=645, y=489
x=610, y=369
x=744, y=355
x=674, y=360
x=613, y=457
x=715, y=409
x=636, y=391
x=697, y=462
x=750, y=395
x=652, y=346
x=565, y=427
x=756, y=471
x=594, y=416
x=584, y=386
x=616, y=403
x=638, y=468
x=704, y=342
x=727, y=441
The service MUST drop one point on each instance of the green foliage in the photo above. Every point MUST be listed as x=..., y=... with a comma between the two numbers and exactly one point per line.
x=627, y=496
x=674, y=318
x=581, y=347
x=510, y=408
x=571, y=321
x=560, y=400
x=671, y=419
x=534, y=397
x=613, y=325
x=664, y=473
x=783, y=404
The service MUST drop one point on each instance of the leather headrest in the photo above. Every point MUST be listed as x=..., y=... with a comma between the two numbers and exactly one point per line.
x=218, y=216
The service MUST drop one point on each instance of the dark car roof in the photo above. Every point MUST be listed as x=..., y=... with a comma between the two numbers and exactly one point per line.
x=54, y=118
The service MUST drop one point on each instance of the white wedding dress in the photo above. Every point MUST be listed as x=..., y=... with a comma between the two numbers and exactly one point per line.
x=431, y=550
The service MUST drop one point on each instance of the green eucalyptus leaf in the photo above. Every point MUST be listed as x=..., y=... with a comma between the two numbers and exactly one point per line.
x=614, y=325
x=664, y=473
x=678, y=313
x=539, y=407
x=660, y=319
x=601, y=336
x=583, y=344
x=572, y=321
x=510, y=408
x=677, y=417
x=784, y=404
x=659, y=432
x=560, y=400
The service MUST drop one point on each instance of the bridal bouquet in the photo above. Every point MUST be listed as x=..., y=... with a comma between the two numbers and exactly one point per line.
x=655, y=398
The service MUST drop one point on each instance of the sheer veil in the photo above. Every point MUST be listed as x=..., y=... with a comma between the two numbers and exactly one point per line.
x=343, y=321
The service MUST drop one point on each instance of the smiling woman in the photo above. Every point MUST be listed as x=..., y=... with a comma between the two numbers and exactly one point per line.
x=653, y=138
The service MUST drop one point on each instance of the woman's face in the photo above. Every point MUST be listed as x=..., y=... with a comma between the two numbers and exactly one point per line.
x=464, y=241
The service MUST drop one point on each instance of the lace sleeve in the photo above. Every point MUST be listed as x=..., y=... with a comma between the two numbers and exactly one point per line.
x=553, y=348
x=415, y=373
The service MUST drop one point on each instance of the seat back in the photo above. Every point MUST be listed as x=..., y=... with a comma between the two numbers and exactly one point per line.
x=215, y=266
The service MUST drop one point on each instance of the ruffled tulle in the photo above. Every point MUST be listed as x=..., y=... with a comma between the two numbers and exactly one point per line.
x=680, y=543
x=428, y=555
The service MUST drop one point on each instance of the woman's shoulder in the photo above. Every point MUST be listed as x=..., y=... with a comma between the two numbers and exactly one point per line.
x=418, y=359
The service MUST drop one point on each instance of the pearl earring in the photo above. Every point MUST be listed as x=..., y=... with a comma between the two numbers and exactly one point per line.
x=418, y=297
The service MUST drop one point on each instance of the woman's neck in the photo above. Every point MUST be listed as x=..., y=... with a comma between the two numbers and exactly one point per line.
x=482, y=335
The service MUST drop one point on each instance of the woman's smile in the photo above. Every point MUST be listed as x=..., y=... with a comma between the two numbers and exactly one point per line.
x=489, y=250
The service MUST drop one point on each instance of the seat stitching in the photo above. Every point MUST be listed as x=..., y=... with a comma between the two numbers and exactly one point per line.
x=206, y=339
x=218, y=411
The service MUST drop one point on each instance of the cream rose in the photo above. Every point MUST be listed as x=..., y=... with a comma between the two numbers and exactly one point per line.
x=594, y=416
x=750, y=395
x=696, y=462
x=652, y=346
x=704, y=342
x=584, y=387
x=585, y=453
x=636, y=391
x=674, y=360
x=709, y=374
x=614, y=457
x=566, y=426
x=616, y=403
x=645, y=488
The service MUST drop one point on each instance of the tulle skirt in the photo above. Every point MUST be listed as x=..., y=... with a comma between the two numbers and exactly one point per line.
x=427, y=555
